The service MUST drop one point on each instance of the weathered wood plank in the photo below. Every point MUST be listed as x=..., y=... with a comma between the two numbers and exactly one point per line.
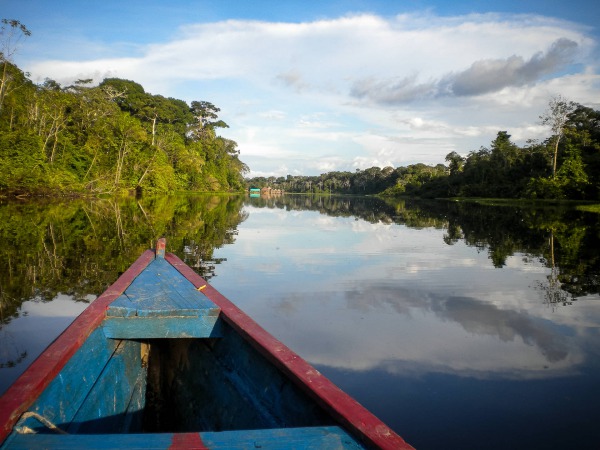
x=63, y=397
x=313, y=438
x=105, y=407
x=162, y=327
x=94, y=390
x=133, y=420
x=161, y=291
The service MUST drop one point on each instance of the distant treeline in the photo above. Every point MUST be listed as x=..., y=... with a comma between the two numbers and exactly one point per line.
x=564, y=166
x=110, y=138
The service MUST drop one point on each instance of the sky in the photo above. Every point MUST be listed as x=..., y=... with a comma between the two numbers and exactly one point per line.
x=312, y=87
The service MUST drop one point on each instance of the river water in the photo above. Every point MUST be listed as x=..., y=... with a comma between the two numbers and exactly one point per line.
x=460, y=326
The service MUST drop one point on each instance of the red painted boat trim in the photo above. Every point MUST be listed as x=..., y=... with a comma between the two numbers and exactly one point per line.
x=187, y=441
x=19, y=397
x=347, y=411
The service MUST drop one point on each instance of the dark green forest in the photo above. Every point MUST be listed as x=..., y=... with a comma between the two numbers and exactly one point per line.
x=565, y=166
x=108, y=139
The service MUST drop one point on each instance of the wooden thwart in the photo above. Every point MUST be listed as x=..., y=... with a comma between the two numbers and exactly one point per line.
x=161, y=303
x=297, y=438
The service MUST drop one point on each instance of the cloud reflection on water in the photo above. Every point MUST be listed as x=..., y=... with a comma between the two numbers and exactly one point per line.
x=374, y=296
x=455, y=333
x=417, y=334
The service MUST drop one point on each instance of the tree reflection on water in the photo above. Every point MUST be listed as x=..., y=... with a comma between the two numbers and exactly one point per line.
x=565, y=239
x=80, y=247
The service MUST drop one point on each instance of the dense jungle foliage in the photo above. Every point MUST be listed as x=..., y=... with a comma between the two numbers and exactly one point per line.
x=564, y=166
x=110, y=138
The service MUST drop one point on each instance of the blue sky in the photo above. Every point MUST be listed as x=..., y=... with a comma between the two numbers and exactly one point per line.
x=311, y=87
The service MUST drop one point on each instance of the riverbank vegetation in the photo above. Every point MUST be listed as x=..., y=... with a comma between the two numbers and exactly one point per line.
x=565, y=166
x=107, y=139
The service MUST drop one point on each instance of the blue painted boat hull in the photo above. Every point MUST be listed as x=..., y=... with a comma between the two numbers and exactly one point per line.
x=162, y=360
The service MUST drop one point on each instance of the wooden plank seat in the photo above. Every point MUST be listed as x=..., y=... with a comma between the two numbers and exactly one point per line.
x=325, y=438
x=161, y=303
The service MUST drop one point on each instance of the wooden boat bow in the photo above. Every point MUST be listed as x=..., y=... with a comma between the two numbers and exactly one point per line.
x=161, y=303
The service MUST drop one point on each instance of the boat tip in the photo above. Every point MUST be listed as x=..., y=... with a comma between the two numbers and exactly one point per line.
x=160, y=248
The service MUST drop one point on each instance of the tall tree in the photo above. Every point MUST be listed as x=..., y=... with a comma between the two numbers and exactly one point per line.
x=455, y=162
x=127, y=136
x=11, y=33
x=556, y=117
x=205, y=120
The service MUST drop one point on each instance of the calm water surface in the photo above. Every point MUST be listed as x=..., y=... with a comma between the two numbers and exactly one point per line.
x=459, y=326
